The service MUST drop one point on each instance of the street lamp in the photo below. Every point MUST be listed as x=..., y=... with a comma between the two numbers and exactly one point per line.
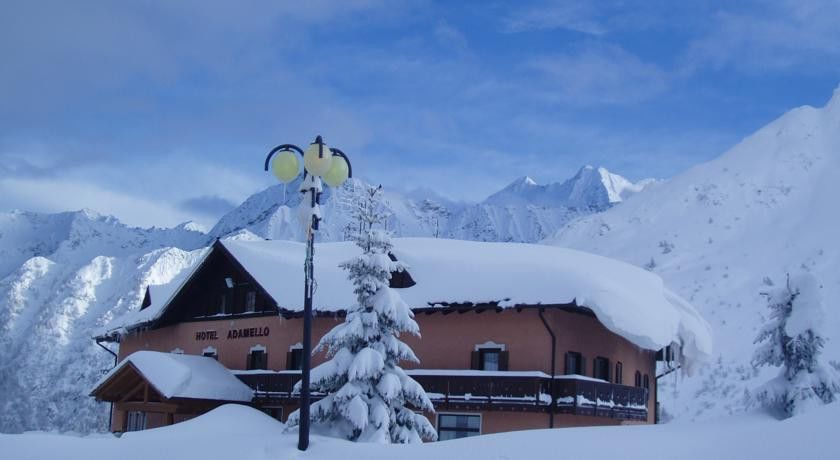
x=333, y=166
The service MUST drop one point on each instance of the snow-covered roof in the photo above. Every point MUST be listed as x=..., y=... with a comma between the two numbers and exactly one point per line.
x=184, y=376
x=628, y=300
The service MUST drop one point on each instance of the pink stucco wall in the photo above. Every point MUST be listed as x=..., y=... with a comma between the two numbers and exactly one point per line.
x=446, y=343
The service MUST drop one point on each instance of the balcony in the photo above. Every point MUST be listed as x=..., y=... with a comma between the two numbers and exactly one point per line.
x=454, y=389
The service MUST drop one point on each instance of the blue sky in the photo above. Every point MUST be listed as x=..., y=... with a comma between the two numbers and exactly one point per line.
x=159, y=112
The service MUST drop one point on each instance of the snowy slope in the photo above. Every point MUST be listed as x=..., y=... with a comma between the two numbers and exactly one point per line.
x=766, y=207
x=78, y=271
x=256, y=436
x=522, y=212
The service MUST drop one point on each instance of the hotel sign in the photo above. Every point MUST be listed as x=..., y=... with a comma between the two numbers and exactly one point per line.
x=233, y=333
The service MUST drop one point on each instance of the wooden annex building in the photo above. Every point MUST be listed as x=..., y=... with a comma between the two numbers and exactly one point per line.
x=514, y=336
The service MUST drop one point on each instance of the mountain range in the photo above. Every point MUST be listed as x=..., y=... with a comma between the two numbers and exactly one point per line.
x=719, y=234
x=64, y=275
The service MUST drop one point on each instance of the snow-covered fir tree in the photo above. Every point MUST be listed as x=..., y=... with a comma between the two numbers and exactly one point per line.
x=792, y=338
x=368, y=395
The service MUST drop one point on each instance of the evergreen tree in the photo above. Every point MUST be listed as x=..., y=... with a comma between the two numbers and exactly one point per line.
x=792, y=339
x=367, y=393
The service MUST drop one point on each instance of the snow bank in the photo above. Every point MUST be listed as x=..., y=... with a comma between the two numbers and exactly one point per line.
x=255, y=437
x=185, y=376
x=628, y=300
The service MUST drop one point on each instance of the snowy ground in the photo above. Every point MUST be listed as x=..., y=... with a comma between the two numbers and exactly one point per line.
x=256, y=436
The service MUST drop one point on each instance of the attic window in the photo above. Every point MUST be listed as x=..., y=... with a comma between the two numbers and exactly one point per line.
x=400, y=280
x=250, y=301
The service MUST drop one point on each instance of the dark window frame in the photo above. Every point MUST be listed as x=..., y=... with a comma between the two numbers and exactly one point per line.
x=578, y=357
x=294, y=360
x=484, y=352
x=262, y=364
x=250, y=301
x=135, y=421
x=637, y=381
x=601, y=368
x=469, y=431
x=619, y=373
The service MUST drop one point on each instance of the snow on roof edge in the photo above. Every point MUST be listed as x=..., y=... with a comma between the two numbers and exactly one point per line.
x=627, y=300
x=183, y=376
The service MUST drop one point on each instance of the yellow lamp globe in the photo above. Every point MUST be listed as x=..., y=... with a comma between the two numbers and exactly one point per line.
x=338, y=173
x=286, y=166
x=317, y=158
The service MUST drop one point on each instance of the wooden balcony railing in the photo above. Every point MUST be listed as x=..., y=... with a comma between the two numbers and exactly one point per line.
x=452, y=389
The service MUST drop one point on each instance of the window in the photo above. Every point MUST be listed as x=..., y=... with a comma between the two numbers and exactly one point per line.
x=210, y=352
x=257, y=358
x=619, y=373
x=601, y=368
x=454, y=426
x=646, y=382
x=135, y=421
x=489, y=359
x=574, y=363
x=489, y=356
x=638, y=380
x=250, y=301
x=294, y=360
x=223, y=304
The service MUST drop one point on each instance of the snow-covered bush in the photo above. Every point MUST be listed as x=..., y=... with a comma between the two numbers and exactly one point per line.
x=792, y=338
x=368, y=396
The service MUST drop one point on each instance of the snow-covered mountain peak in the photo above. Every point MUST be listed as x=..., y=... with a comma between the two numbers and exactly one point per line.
x=723, y=230
x=590, y=188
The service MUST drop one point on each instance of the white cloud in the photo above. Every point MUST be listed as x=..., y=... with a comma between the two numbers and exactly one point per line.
x=52, y=195
x=770, y=36
x=598, y=74
x=569, y=15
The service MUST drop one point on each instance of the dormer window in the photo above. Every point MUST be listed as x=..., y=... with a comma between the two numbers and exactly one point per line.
x=250, y=302
x=223, y=304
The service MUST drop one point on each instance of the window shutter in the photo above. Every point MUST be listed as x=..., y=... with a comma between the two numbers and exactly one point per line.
x=475, y=360
x=503, y=360
x=289, y=361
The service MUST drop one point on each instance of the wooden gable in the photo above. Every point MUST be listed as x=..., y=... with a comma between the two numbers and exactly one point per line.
x=127, y=385
x=218, y=289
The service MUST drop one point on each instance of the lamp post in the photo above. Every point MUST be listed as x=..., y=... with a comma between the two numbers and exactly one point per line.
x=333, y=166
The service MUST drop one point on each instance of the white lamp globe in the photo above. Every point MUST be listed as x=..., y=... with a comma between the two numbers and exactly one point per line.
x=338, y=173
x=286, y=166
x=317, y=158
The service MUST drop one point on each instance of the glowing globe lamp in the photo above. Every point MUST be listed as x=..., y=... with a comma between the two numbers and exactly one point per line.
x=338, y=173
x=317, y=158
x=286, y=166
